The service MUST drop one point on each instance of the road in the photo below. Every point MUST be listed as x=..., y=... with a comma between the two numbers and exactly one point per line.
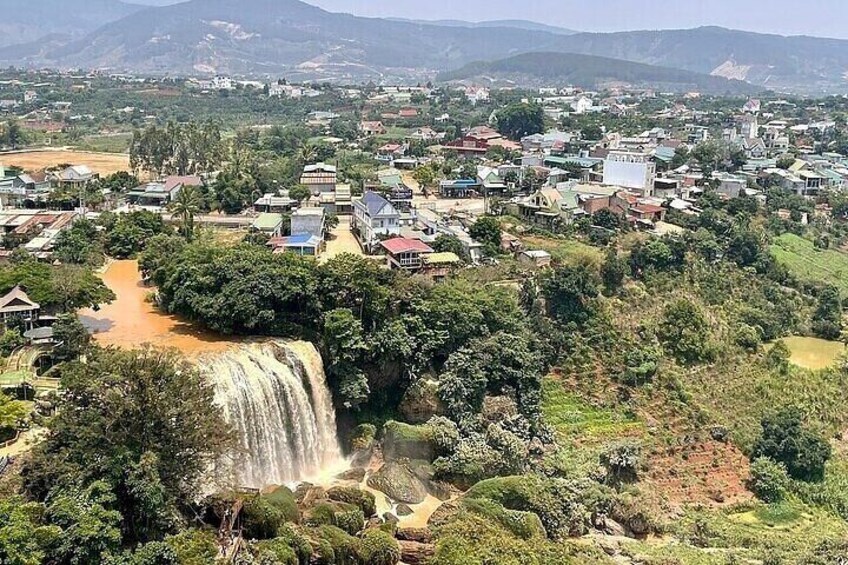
x=341, y=241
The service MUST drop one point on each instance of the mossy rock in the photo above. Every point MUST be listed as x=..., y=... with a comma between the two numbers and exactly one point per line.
x=399, y=483
x=346, y=548
x=407, y=441
x=296, y=539
x=262, y=516
x=362, y=437
x=284, y=499
x=352, y=495
x=525, y=525
x=276, y=550
x=380, y=548
x=322, y=514
x=347, y=517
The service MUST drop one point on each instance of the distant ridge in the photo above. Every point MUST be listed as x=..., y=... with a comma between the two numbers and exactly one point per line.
x=517, y=24
x=591, y=72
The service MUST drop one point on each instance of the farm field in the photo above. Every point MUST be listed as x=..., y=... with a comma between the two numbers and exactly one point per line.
x=808, y=263
x=38, y=160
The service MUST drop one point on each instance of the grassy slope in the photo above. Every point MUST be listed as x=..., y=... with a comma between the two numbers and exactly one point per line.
x=811, y=264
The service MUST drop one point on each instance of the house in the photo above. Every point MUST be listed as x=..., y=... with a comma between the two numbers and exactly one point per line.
x=391, y=151
x=300, y=244
x=666, y=188
x=309, y=220
x=437, y=266
x=477, y=94
x=160, y=194
x=268, y=223
x=319, y=178
x=75, y=176
x=752, y=106
x=372, y=128
x=755, y=148
x=405, y=253
x=730, y=185
x=582, y=105
x=426, y=134
x=274, y=203
x=16, y=306
x=632, y=170
x=373, y=217
x=535, y=257
x=460, y=188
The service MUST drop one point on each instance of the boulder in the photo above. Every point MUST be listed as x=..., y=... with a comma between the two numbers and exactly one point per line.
x=443, y=514
x=414, y=553
x=407, y=441
x=421, y=402
x=421, y=535
x=355, y=475
x=397, y=481
x=403, y=510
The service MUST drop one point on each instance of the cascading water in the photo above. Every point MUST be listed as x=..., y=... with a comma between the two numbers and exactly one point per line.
x=275, y=396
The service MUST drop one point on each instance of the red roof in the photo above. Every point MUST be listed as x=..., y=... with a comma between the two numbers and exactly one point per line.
x=404, y=245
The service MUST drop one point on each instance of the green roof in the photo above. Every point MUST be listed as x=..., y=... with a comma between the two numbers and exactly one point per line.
x=268, y=221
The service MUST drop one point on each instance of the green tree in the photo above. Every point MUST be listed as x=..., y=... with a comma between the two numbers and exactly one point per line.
x=300, y=192
x=71, y=337
x=685, y=332
x=80, y=245
x=827, y=319
x=613, y=271
x=784, y=439
x=487, y=230
x=519, y=120
x=90, y=528
x=345, y=343
x=450, y=244
x=569, y=292
x=12, y=413
x=186, y=206
x=769, y=481
x=143, y=422
x=26, y=538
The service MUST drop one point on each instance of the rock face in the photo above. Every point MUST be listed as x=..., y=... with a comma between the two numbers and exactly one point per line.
x=403, y=510
x=352, y=475
x=407, y=441
x=421, y=402
x=399, y=483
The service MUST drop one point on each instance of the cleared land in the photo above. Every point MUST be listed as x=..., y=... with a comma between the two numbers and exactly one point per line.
x=813, y=353
x=103, y=163
x=811, y=264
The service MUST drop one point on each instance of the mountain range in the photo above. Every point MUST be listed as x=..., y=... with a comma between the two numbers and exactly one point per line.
x=300, y=41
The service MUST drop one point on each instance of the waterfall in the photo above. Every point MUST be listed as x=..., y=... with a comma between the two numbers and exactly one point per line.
x=276, y=398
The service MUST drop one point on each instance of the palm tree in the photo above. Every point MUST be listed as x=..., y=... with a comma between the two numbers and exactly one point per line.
x=185, y=206
x=307, y=153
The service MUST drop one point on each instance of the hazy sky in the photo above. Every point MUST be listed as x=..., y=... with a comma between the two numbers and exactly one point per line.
x=823, y=18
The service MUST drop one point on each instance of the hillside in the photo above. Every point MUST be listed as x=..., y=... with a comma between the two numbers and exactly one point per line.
x=518, y=24
x=24, y=21
x=266, y=37
x=591, y=72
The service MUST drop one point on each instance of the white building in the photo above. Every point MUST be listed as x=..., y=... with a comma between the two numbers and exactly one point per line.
x=631, y=170
x=582, y=105
x=477, y=94
x=374, y=216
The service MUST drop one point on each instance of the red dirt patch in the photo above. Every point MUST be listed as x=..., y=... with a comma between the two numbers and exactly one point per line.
x=709, y=473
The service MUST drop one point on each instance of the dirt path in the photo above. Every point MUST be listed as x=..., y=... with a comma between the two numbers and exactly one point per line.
x=341, y=241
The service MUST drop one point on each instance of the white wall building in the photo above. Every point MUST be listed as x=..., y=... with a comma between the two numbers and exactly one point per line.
x=632, y=170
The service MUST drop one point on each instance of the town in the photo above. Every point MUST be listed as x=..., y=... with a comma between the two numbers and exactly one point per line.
x=263, y=321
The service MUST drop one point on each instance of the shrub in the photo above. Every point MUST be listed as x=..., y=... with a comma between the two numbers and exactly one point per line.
x=621, y=462
x=769, y=480
x=785, y=440
x=194, y=547
x=747, y=337
x=380, y=548
x=445, y=434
